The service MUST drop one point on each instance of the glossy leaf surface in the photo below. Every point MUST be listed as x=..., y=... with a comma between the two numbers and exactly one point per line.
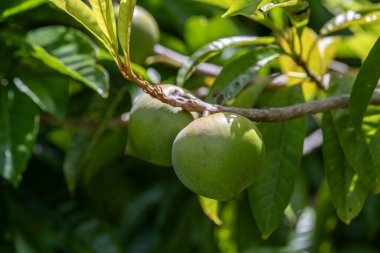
x=214, y=48
x=18, y=132
x=364, y=85
x=238, y=73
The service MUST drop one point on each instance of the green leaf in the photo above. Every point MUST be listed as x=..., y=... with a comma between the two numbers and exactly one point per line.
x=124, y=26
x=84, y=15
x=348, y=193
x=271, y=192
x=72, y=167
x=49, y=91
x=354, y=144
x=18, y=131
x=243, y=7
x=364, y=85
x=71, y=53
x=269, y=6
x=104, y=14
x=210, y=207
x=347, y=19
x=238, y=73
x=225, y=4
x=10, y=8
x=299, y=14
x=248, y=97
x=214, y=48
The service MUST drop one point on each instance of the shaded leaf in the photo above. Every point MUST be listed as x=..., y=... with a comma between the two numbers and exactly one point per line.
x=104, y=14
x=364, y=85
x=353, y=142
x=10, y=8
x=210, y=207
x=348, y=193
x=71, y=53
x=84, y=15
x=214, y=48
x=18, y=132
x=299, y=14
x=244, y=7
x=248, y=97
x=238, y=73
x=221, y=3
x=124, y=26
x=49, y=91
x=271, y=192
x=347, y=19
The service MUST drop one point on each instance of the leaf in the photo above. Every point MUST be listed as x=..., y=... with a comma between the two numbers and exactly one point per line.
x=364, y=85
x=84, y=15
x=348, y=193
x=10, y=8
x=225, y=4
x=210, y=207
x=271, y=192
x=49, y=91
x=72, y=167
x=104, y=14
x=18, y=132
x=71, y=53
x=124, y=24
x=299, y=14
x=214, y=48
x=347, y=19
x=238, y=73
x=353, y=142
x=243, y=7
x=248, y=97
x=269, y=6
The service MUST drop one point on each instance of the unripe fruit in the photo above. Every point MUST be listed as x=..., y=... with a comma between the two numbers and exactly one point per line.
x=153, y=126
x=144, y=35
x=218, y=156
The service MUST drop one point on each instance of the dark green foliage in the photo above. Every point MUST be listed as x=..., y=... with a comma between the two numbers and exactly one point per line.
x=67, y=184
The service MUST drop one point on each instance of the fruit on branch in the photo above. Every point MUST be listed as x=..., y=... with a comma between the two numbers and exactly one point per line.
x=144, y=35
x=218, y=156
x=153, y=126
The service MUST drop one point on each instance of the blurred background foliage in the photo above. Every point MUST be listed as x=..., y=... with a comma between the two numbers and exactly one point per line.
x=81, y=193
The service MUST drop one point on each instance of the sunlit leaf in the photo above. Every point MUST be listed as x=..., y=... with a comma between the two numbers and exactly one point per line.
x=18, y=132
x=49, y=91
x=84, y=15
x=246, y=7
x=364, y=85
x=272, y=190
x=104, y=14
x=271, y=5
x=71, y=53
x=238, y=73
x=124, y=25
x=210, y=208
x=348, y=19
x=348, y=193
x=10, y=8
x=214, y=48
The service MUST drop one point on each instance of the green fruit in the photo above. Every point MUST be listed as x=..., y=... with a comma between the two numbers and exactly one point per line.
x=144, y=35
x=153, y=126
x=218, y=156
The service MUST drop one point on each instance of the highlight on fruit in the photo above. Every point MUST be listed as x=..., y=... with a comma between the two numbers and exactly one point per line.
x=153, y=126
x=218, y=156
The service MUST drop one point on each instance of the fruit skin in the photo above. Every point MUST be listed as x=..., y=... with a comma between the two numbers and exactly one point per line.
x=218, y=156
x=144, y=35
x=153, y=126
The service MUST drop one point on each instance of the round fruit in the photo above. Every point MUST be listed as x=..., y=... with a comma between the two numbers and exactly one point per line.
x=144, y=35
x=218, y=156
x=153, y=126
